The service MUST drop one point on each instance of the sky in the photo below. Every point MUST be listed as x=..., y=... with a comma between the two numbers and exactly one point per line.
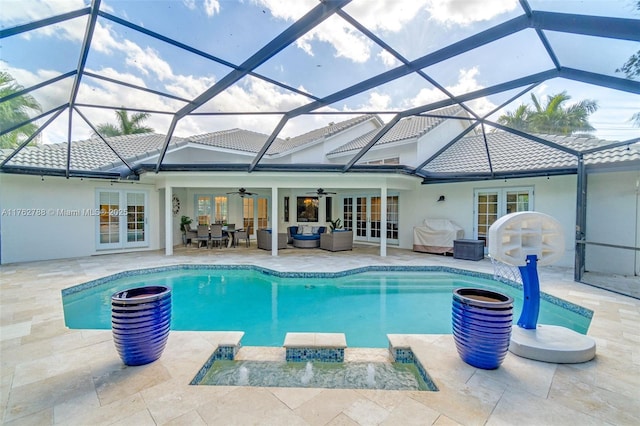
x=332, y=56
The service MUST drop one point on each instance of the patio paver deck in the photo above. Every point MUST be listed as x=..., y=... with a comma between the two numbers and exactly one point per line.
x=54, y=375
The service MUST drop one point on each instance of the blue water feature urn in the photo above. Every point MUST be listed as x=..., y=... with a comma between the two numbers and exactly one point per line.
x=482, y=321
x=140, y=322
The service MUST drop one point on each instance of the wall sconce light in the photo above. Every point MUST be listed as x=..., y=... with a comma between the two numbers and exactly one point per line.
x=441, y=198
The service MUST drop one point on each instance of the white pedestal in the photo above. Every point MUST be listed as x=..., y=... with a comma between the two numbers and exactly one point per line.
x=552, y=343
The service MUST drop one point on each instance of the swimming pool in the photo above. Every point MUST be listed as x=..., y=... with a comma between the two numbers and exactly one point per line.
x=366, y=304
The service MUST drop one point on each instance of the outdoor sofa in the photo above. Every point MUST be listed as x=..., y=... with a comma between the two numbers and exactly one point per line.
x=306, y=236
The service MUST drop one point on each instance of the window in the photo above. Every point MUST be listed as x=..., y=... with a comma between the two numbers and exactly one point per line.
x=347, y=213
x=307, y=209
x=286, y=209
x=212, y=209
x=393, y=216
x=392, y=160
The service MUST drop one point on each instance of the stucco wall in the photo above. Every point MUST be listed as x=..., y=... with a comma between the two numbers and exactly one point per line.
x=39, y=218
x=554, y=196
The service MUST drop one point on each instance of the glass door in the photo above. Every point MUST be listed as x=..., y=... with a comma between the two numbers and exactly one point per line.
x=364, y=216
x=255, y=213
x=122, y=220
x=136, y=219
x=362, y=219
x=108, y=220
x=491, y=204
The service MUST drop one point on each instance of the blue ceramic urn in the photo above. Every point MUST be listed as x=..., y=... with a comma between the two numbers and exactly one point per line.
x=482, y=321
x=140, y=322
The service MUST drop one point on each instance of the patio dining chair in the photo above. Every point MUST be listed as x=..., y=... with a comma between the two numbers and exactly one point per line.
x=190, y=235
x=217, y=236
x=202, y=236
x=242, y=234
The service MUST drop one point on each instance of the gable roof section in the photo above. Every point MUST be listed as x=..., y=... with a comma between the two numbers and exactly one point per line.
x=407, y=129
x=512, y=153
x=322, y=133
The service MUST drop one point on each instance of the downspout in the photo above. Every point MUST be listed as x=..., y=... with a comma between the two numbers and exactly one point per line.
x=581, y=220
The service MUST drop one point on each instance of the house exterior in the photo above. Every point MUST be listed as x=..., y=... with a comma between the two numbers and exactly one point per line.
x=49, y=217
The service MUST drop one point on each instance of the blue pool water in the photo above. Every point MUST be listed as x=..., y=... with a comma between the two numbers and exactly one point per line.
x=366, y=306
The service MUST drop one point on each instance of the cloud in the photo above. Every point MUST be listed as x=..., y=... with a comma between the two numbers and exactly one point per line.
x=386, y=16
x=466, y=83
x=147, y=60
x=346, y=40
x=388, y=59
x=211, y=7
x=464, y=12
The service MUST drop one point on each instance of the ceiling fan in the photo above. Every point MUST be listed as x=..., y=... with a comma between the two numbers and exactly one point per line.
x=320, y=192
x=242, y=192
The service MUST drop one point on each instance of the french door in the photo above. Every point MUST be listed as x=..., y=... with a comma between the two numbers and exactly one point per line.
x=362, y=214
x=255, y=213
x=121, y=219
x=493, y=203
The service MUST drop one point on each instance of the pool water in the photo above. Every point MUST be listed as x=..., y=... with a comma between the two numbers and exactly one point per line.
x=365, y=306
x=349, y=375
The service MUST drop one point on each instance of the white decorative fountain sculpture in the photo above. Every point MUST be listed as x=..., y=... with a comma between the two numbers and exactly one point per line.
x=525, y=240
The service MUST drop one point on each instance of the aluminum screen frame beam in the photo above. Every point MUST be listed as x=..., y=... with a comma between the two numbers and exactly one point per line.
x=309, y=21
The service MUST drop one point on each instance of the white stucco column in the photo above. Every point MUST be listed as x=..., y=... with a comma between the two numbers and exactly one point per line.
x=383, y=221
x=168, y=221
x=274, y=221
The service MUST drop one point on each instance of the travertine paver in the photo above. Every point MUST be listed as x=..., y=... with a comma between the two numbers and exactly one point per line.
x=50, y=374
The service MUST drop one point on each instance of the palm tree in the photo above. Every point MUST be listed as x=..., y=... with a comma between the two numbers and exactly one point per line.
x=14, y=111
x=552, y=117
x=126, y=125
x=518, y=119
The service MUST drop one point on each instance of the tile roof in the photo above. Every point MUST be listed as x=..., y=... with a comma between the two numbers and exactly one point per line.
x=233, y=139
x=89, y=154
x=510, y=152
x=94, y=154
x=406, y=129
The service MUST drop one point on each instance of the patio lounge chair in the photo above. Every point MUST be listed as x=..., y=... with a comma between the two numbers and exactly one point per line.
x=264, y=239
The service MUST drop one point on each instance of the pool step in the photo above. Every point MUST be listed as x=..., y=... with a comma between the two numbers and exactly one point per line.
x=322, y=347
